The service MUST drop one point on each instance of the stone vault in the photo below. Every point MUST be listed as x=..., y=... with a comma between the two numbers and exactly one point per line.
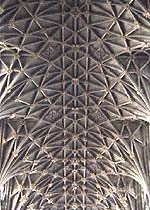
x=74, y=104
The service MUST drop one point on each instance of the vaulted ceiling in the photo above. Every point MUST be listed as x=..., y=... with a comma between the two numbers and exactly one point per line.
x=74, y=104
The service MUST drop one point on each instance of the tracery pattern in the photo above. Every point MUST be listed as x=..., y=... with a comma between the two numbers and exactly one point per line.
x=74, y=104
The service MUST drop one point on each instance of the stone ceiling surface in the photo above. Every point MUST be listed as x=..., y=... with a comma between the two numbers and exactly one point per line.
x=74, y=104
